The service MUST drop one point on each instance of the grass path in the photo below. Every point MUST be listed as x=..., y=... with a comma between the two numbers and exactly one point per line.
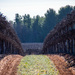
x=36, y=65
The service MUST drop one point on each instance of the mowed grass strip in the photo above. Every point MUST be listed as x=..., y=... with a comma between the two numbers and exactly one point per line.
x=36, y=65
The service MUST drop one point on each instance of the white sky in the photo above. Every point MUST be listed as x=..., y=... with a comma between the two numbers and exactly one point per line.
x=33, y=7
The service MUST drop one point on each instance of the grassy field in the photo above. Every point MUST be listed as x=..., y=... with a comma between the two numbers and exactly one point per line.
x=36, y=65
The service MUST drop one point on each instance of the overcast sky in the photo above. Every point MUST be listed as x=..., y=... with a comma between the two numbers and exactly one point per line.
x=33, y=7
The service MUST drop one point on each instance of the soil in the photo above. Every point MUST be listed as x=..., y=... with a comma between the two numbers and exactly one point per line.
x=8, y=65
x=62, y=64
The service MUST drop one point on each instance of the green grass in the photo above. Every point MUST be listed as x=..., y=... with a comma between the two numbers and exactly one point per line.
x=36, y=65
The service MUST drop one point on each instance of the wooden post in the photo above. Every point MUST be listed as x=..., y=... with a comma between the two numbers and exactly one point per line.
x=68, y=45
x=64, y=43
x=74, y=47
x=53, y=49
x=62, y=47
x=49, y=50
x=4, y=47
x=66, y=50
x=46, y=50
x=7, y=47
x=11, y=48
x=56, y=48
x=18, y=51
x=15, y=50
x=0, y=46
x=71, y=46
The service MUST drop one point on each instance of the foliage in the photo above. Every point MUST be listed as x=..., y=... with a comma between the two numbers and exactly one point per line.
x=49, y=22
x=36, y=29
x=36, y=65
x=64, y=11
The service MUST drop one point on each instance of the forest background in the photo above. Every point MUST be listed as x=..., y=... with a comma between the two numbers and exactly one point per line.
x=31, y=30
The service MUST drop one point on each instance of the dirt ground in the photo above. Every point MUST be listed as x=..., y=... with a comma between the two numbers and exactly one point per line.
x=62, y=64
x=8, y=65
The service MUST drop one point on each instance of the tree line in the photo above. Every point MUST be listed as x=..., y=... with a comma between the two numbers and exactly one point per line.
x=36, y=29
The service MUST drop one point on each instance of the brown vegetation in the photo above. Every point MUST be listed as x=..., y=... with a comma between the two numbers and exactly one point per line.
x=61, y=38
x=8, y=65
x=62, y=64
x=8, y=38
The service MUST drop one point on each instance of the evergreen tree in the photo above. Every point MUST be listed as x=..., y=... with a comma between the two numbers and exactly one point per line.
x=36, y=29
x=18, y=25
x=50, y=21
x=64, y=11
